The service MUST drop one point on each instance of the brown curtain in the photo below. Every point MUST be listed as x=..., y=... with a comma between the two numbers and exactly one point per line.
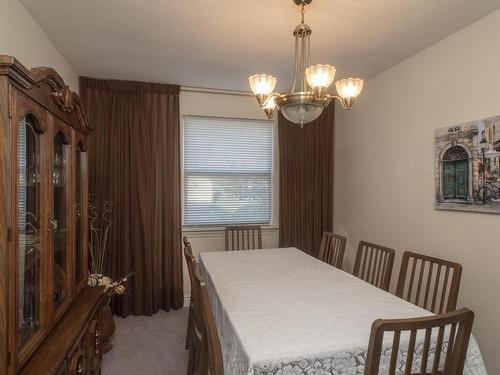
x=134, y=162
x=306, y=181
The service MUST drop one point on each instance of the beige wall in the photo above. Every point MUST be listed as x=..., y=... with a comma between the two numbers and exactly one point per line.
x=235, y=106
x=21, y=37
x=384, y=170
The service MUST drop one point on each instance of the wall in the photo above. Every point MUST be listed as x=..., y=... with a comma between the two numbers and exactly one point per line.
x=384, y=165
x=21, y=37
x=234, y=106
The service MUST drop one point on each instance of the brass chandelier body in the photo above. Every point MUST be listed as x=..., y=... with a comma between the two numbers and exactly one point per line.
x=308, y=96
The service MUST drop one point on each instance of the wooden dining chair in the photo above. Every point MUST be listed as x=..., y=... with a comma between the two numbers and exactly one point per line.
x=428, y=282
x=243, y=237
x=211, y=361
x=192, y=267
x=332, y=249
x=195, y=323
x=374, y=264
x=205, y=352
x=425, y=346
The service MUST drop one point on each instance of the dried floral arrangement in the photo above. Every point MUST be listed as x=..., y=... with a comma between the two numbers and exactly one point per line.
x=98, y=238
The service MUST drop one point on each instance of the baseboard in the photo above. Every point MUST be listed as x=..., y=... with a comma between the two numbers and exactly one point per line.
x=187, y=300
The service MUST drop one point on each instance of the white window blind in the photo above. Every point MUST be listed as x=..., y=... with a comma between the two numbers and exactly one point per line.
x=227, y=171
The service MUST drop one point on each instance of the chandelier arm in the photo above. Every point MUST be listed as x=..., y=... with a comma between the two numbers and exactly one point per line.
x=269, y=97
x=345, y=102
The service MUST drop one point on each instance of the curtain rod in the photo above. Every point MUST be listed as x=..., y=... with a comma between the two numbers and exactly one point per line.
x=215, y=91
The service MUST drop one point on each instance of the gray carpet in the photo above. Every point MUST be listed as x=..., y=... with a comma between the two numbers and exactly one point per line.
x=148, y=345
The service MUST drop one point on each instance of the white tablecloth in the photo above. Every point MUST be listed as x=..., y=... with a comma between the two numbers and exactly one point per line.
x=281, y=311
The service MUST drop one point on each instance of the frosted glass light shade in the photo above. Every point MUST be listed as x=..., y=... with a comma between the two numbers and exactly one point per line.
x=270, y=106
x=320, y=75
x=271, y=103
x=262, y=84
x=349, y=88
x=302, y=113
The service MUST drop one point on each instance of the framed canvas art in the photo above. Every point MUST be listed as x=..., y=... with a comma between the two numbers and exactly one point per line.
x=467, y=166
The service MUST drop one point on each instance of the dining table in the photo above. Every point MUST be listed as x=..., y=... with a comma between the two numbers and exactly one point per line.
x=284, y=312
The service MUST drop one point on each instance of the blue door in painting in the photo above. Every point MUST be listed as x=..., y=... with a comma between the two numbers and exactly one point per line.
x=455, y=173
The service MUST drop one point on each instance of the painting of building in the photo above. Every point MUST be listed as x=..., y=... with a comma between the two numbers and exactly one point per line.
x=467, y=166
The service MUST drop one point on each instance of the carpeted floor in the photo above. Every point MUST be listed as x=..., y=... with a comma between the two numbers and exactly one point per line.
x=148, y=345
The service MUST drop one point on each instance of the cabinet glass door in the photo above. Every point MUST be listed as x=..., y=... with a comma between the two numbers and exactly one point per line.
x=29, y=229
x=80, y=217
x=58, y=221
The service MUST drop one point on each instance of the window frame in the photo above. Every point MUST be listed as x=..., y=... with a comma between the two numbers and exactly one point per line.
x=272, y=225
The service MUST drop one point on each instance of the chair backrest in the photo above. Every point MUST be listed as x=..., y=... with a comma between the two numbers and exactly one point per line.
x=190, y=259
x=332, y=249
x=211, y=361
x=428, y=282
x=431, y=345
x=374, y=264
x=243, y=237
x=192, y=267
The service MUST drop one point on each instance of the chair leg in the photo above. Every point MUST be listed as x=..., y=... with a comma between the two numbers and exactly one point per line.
x=189, y=329
x=191, y=367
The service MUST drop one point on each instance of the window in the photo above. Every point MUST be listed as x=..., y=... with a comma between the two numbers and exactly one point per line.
x=227, y=171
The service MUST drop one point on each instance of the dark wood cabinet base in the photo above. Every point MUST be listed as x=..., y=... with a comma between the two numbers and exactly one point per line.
x=107, y=327
x=76, y=343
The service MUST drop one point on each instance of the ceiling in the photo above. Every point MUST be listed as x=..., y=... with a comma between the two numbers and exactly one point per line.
x=217, y=44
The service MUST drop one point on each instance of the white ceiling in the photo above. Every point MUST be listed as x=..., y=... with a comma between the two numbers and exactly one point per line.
x=217, y=44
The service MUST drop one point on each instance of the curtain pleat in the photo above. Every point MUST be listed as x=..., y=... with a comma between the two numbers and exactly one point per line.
x=134, y=162
x=306, y=181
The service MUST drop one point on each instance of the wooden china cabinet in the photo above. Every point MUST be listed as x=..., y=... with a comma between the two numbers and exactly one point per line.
x=50, y=320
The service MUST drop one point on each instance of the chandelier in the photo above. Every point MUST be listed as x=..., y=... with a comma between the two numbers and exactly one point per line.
x=308, y=97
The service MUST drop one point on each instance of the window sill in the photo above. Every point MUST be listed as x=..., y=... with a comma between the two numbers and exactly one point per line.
x=216, y=231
